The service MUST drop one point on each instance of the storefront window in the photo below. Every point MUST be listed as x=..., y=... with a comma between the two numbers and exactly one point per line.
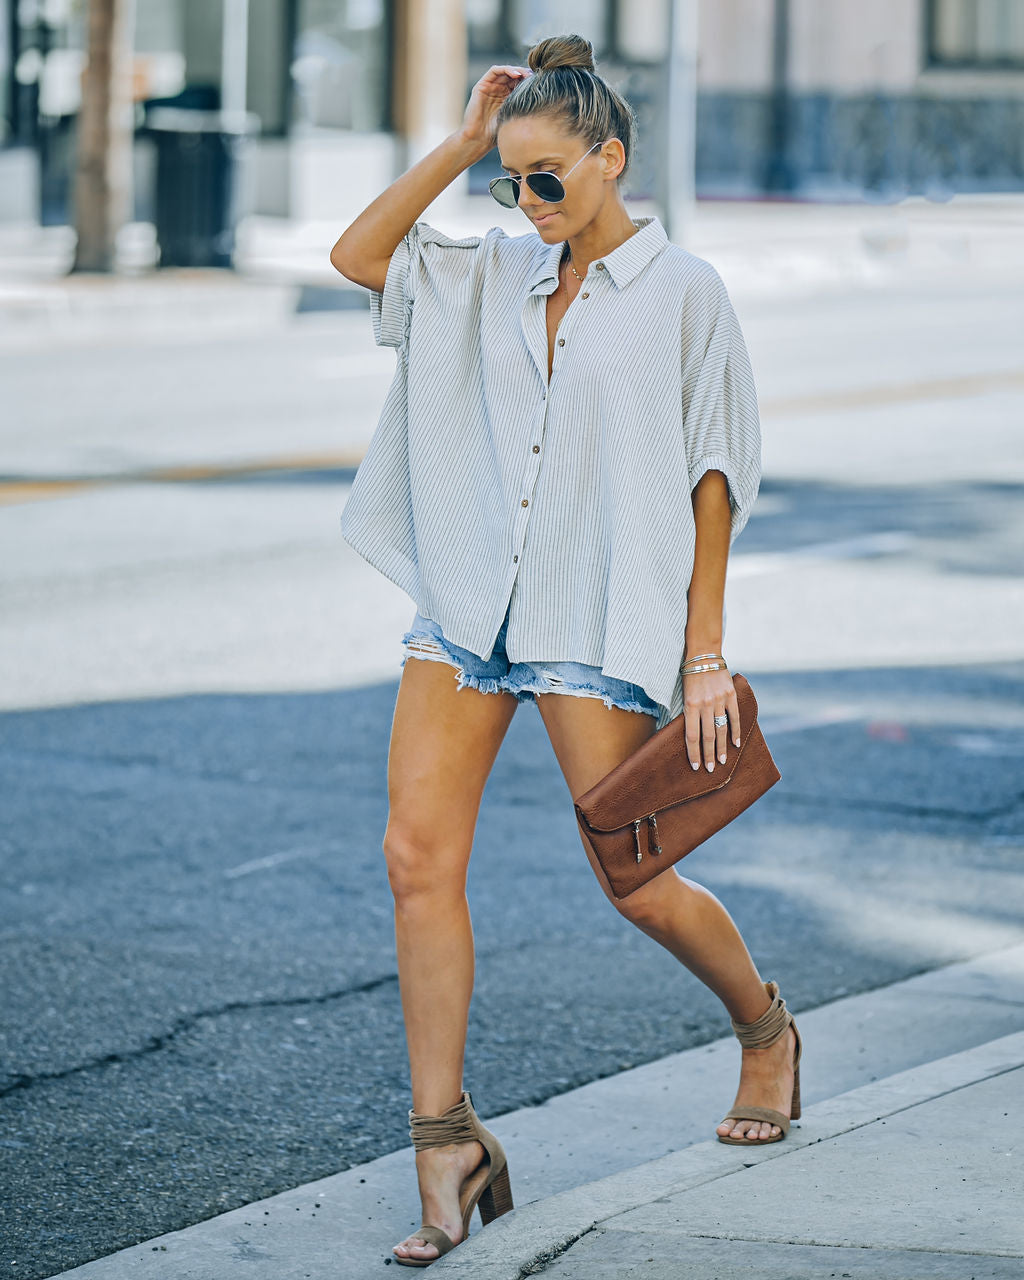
x=975, y=33
x=340, y=64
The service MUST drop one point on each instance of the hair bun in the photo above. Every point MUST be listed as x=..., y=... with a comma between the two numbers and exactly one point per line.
x=562, y=51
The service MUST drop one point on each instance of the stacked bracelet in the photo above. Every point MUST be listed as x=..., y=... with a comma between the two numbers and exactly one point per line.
x=694, y=666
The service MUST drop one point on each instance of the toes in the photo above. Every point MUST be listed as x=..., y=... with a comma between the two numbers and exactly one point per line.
x=415, y=1247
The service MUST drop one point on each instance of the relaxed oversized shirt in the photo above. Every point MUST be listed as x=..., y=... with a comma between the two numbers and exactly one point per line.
x=487, y=487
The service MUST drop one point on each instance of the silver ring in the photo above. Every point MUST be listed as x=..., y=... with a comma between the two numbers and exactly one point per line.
x=721, y=720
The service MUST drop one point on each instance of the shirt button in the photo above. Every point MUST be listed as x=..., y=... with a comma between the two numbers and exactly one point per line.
x=536, y=448
x=514, y=559
x=585, y=293
x=599, y=265
x=561, y=342
x=526, y=502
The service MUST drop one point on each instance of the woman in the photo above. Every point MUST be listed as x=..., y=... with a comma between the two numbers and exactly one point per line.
x=558, y=396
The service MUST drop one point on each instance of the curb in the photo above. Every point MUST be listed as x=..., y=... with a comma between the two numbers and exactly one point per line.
x=524, y=1241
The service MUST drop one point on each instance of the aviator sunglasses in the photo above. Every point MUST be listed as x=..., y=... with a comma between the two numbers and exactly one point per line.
x=506, y=190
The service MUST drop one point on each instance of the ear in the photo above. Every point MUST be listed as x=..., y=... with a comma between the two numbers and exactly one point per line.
x=613, y=158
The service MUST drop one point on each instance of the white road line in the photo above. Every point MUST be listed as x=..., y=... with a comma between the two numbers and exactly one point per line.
x=864, y=546
x=812, y=720
x=274, y=860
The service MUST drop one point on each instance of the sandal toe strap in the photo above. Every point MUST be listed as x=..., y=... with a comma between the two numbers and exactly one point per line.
x=441, y=1240
x=760, y=1113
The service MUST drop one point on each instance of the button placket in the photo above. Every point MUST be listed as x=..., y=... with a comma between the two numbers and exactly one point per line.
x=530, y=482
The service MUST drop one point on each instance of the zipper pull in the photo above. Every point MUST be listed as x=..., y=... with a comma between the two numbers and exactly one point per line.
x=652, y=824
x=636, y=836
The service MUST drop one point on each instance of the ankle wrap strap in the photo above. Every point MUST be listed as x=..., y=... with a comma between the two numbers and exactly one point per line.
x=457, y=1124
x=771, y=1024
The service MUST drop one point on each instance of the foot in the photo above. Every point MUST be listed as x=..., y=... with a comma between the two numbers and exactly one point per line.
x=441, y=1172
x=766, y=1080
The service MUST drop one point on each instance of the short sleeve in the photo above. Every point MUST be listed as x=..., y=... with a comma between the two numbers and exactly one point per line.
x=721, y=423
x=425, y=259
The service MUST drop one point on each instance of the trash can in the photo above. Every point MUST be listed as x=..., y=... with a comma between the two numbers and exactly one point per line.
x=199, y=182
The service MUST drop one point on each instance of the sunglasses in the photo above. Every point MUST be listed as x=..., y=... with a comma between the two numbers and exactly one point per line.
x=506, y=190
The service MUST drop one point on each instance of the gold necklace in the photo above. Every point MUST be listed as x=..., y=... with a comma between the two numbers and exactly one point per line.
x=568, y=258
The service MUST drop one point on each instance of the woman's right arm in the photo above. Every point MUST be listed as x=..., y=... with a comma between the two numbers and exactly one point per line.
x=364, y=249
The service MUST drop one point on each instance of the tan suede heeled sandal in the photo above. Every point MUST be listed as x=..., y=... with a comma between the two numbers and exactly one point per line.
x=771, y=1025
x=488, y=1185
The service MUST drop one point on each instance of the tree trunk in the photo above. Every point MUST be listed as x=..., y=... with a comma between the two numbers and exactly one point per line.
x=103, y=195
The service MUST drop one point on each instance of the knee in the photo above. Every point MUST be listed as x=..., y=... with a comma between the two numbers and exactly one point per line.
x=418, y=869
x=652, y=905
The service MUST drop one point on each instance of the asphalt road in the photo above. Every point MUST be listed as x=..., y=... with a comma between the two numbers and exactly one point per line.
x=200, y=1004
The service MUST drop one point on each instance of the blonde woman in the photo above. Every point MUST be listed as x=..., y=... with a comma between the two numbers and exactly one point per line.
x=569, y=447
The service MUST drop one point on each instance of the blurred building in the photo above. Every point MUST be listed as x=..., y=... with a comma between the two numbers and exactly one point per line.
x=818, y=99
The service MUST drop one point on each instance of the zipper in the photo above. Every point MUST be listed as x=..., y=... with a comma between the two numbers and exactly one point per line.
x=653, y=845
x=652, y=833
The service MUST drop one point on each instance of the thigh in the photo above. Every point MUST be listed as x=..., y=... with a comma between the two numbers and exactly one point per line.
x=444, y=739
x=589, y=739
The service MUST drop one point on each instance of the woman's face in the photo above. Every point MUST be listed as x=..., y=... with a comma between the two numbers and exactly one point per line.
x=533, y=144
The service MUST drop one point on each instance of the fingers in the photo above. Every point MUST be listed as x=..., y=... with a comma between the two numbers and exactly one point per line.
x=721, y=734
x=509, y=73
x=692, y=715
x=707, y=697
x=707, y=726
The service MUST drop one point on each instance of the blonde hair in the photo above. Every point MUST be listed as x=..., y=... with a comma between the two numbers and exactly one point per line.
x=566, y=86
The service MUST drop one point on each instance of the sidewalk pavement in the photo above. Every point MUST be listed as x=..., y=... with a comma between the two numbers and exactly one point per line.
x=283, y=266
x=905, y=1164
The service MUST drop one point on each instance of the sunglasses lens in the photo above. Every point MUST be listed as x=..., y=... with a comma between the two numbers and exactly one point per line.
x=547, y=186
x=505, y=191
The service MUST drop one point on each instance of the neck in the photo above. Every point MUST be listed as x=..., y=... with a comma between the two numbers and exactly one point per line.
x=600, y=236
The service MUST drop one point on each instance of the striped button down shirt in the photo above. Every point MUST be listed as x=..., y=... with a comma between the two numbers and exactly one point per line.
x=487, y=487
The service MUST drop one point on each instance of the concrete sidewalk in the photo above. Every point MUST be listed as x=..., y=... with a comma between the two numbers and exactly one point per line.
x=915, y=1176
x=901, y=1165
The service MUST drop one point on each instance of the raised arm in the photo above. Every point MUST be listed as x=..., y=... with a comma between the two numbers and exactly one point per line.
x=364, y=249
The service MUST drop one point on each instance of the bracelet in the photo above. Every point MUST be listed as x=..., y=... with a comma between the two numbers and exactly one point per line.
x=704, y=666
x=697, y=657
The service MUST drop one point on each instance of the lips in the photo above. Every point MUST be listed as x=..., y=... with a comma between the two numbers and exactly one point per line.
x=539, y=222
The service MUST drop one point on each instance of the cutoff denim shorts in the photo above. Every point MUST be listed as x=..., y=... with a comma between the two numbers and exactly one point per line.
x=524, y=679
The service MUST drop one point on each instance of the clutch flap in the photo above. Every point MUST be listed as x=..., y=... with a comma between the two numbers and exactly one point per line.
x=659, y=775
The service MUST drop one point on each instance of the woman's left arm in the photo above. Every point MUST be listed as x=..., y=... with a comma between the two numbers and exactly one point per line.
x=709, y=693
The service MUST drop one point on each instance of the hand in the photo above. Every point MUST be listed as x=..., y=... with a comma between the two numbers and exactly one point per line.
x=706, y=695
x=489, y=92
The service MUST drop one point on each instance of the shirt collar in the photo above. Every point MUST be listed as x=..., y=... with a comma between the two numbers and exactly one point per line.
x=624, y=262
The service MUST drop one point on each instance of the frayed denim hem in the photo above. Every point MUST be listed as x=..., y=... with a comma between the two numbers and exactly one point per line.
x=486, y=684
x=434, y=651
x=582, y=689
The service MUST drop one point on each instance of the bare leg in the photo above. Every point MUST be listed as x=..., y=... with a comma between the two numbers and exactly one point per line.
x=688, y=920
x=443, y=743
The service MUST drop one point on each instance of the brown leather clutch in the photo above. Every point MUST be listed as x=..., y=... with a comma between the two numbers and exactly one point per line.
x=654, y=808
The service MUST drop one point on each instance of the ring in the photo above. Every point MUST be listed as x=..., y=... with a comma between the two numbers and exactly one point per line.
x=721, y=720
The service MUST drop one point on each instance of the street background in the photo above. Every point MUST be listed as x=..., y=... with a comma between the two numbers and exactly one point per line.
x=200, y=1005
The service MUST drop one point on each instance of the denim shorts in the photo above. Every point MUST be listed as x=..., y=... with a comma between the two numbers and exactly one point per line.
x=425, y=639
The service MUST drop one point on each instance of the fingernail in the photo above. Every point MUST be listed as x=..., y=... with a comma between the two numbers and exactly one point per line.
x=711, y=766
x=721, y=758
x=695, y=764
x=736, y=741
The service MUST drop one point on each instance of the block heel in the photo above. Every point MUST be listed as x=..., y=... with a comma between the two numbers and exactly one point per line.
x=496, y=1198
